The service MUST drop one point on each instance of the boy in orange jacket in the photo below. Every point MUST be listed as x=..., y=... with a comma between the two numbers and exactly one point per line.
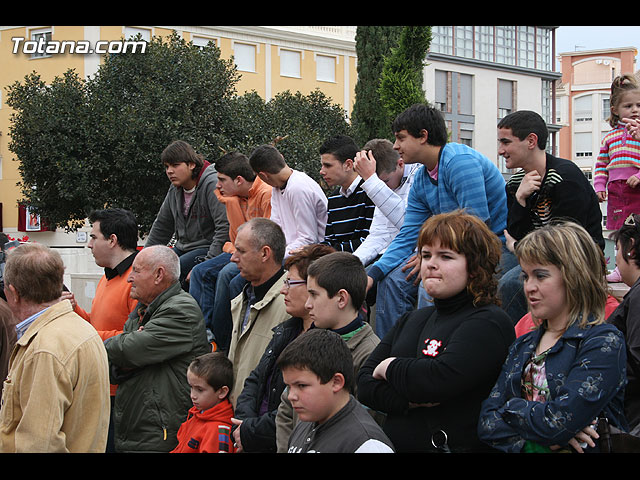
x=208, y=425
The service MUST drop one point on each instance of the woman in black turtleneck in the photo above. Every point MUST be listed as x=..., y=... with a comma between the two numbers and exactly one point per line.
x=433, y=369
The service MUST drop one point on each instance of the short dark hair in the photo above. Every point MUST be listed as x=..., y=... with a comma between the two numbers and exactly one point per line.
x=342, y=147
x=384, y=153
x=119, y=222
x=180, y=151
x=628, y=236
x=266, y=232
x=235, y=164
x=214, y=368
x=341, y=270
x=421, y=116
x=267, y=158
x=524, y=122
x=322, y=352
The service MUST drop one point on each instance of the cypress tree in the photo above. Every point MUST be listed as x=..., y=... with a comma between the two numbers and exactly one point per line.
x=373, y=44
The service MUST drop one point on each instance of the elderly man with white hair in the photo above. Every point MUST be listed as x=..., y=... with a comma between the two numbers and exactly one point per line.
x=149, y=359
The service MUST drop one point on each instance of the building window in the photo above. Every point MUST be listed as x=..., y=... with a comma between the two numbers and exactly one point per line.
x=464, y=42
x=583, y=147
x=465, y=134
x=546, y=112
x=442, y=40
x=506, y=97
x=202, y=42
x=582, y=109
x=526, y=47
x=606, y=108
x=543, y=49
x=505, y=45
x=145, y=33
x=443, y=91
x=485, y=43
x=244, y=56
x=465, y=94
x=290, y=63
x=325, y=68
x=41, y=35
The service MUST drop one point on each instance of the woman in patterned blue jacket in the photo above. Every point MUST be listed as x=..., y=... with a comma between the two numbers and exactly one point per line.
x=558, y=379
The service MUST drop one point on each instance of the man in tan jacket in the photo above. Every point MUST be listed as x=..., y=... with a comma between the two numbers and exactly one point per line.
x=56, y=395
x=260, y=246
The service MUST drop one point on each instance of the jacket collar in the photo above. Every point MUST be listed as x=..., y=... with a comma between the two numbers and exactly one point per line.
x=46, y=317
x=150, y=309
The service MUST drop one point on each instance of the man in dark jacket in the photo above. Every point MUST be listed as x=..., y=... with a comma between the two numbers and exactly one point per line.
x=149, y=359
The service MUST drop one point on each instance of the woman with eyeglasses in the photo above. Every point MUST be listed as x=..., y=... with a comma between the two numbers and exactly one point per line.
x=561, y=377
x=627, y=316
x=257, y=405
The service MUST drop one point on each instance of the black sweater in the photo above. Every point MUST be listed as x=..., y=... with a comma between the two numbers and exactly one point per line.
x=451, y=358
x=565, y=193
x=349, y=219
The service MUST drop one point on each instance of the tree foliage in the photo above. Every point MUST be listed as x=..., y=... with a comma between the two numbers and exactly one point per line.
x=96, y=143
x=402, y=74
x=49, y=134
x=373, y=44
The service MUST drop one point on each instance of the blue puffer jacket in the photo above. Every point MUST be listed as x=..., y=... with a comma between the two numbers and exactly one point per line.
x=586, y=374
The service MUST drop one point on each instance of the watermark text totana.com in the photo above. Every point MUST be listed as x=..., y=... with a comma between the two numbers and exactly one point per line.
x=54, y=47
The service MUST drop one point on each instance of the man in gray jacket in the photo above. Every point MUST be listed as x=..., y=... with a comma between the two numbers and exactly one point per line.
x=149, y=359
x=190, y=210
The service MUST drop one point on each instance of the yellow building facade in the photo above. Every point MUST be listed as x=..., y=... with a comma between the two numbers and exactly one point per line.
x=270, y=60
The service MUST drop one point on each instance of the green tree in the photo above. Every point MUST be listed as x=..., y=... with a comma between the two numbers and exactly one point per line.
x=142, y=102
x=402, y=74
x=297, y=124
x=373, y=44
x=97, y=143
x=49, y=136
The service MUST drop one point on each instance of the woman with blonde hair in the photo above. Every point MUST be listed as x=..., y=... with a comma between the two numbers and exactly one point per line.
x=559, y=378
x=431, y=371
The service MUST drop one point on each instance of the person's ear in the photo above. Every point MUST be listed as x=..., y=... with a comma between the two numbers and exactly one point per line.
x=222, y=392
x=343, y=298
x=337, y=382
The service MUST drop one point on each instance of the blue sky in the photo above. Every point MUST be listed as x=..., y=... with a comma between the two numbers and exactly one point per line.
x=576, y=37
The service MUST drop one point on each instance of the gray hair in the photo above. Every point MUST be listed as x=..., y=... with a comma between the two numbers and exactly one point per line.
x=163, y=256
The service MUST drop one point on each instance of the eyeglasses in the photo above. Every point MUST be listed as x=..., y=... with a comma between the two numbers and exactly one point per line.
x=290, y=283
x=631, y=220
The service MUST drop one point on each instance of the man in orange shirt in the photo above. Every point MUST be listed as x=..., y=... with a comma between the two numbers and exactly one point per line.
x=245, y=196
x=113, y=243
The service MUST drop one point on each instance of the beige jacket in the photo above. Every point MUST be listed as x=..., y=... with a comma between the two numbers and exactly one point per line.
x=246, y=348
x=56, y=396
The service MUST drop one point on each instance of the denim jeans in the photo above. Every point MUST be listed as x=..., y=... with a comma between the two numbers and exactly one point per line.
x=187, y=262
x=202, y=284
x=395, y=297
x=229, y=285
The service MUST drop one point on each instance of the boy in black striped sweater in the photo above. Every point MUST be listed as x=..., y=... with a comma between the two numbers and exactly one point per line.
x=350, y=210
